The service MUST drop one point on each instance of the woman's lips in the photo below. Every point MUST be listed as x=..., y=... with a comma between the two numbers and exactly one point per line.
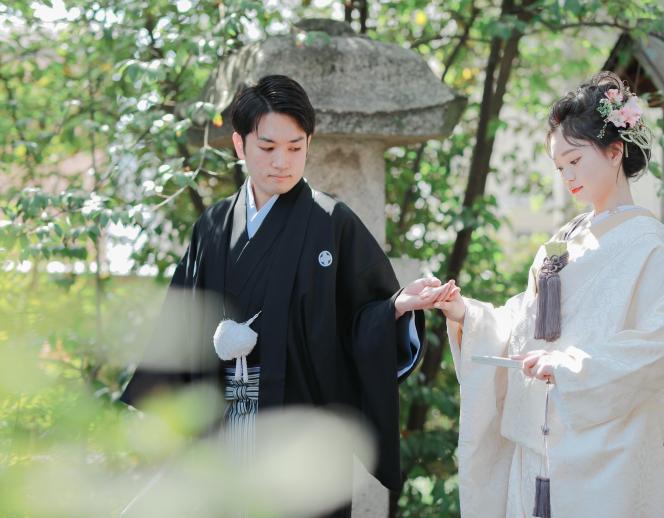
x=576, y=190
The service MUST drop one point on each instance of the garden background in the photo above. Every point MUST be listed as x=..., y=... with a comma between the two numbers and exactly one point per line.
x=100, y=186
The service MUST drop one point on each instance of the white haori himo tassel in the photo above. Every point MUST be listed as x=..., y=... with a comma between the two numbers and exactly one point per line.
x=234, y=341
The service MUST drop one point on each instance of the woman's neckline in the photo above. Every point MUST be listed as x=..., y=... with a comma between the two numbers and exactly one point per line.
x=596, y=218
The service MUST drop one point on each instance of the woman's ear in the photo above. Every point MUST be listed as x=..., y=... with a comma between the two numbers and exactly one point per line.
x=615, y=152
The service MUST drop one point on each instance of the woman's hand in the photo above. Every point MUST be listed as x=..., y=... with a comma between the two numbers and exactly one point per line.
x=540, y=364
x=421, y=294
x=452, y=305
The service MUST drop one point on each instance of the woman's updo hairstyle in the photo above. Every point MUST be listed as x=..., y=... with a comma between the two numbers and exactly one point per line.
x=577, y=116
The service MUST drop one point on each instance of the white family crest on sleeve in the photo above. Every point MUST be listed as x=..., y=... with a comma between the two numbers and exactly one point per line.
x=234, y=341
x=325, y=258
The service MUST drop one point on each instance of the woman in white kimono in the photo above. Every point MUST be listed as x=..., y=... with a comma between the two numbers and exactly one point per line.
x=600, y=340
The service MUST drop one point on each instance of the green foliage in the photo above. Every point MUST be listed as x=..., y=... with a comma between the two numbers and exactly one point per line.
x=69, y=448
x=59, y=386
x=114, y=81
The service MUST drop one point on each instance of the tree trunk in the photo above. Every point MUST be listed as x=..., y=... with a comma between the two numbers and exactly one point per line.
x=362, y=8
x=498, y=70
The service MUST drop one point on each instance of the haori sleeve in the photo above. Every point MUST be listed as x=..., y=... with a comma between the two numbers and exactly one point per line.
x=164, y=363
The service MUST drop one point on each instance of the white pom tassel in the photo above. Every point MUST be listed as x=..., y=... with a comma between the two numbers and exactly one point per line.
x=241, y=370
x=233, y=341
x=238, y=368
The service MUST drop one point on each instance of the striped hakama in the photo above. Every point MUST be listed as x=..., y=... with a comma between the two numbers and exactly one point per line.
x=239, y=431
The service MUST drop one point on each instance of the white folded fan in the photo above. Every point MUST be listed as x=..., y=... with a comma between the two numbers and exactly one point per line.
x=498, y=361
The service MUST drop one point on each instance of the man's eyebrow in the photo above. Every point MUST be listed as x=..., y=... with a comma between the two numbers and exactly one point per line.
x=265, y=139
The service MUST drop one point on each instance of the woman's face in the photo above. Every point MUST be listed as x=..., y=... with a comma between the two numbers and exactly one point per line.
x=591, y=175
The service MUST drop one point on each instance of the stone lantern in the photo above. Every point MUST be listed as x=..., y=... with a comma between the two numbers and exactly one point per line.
x=368, y=96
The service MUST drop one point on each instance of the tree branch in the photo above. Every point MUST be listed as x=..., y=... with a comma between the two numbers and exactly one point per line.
x=195, y=197
x=463, y=39
x=409, y=193
x=556, y=28
x=425, y=40
x=498, y=70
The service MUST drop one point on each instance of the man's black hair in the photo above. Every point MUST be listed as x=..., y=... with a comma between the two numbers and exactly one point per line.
x=272, y=94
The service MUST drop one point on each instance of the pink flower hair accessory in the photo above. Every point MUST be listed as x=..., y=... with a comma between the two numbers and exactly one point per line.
x=624, y=111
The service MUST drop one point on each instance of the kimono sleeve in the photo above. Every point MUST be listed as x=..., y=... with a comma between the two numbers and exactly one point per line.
x=484, y=454
x=597, y=383
x=486, y=329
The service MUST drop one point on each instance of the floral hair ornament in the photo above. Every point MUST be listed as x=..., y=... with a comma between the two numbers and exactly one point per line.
x=624, y=111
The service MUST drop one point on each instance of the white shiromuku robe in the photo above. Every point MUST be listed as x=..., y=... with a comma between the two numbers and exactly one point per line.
x=606, y=411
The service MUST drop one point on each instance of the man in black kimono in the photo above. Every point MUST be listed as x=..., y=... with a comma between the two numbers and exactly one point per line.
x=334, y=328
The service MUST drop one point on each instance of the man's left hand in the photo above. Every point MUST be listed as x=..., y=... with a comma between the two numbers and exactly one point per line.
x=422, y=294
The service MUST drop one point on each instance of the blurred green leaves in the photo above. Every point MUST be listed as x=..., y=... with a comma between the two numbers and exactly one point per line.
x=69, y=448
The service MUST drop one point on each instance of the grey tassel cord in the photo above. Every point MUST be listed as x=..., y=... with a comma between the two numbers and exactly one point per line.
x=542, y=482
x=547, y=323
x=542, y=498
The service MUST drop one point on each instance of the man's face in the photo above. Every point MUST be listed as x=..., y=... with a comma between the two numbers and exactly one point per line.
x=275, y=155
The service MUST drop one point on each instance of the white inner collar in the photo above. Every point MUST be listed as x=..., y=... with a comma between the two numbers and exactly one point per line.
x=256, y=217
